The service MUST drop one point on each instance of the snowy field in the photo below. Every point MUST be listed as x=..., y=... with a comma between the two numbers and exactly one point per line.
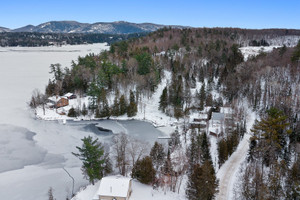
x=254, y=51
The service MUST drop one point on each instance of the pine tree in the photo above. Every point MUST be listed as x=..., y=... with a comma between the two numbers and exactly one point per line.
x=158, y=155
x=123, y=105
x=192, y=152
x=143, y=171
x=72, y=112
x=105, y=111
x=204, y=145
x=222, y=151
x=132, y=107
x=115, y=111
x=271, y=134
x=144, y=63
x=202, y=183
x=92, y=156
x=163, y=102
x=84, y=110
x=202, y=97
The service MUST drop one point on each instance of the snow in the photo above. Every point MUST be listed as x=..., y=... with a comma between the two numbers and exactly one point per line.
x=228, y=173
x=254, y=51
x=33, y=152
x=87, y=193
x=115, y=186
x=147, y=110
x=139, y=191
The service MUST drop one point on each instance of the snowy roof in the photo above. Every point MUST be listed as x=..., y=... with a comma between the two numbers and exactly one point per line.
x=53, y=98
x=226, y=110
x=115, y=186
x=218, y=116
x=68, y=94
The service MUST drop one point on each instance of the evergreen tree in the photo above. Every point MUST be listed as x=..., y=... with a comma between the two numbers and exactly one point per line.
x=84, y=110
x=132, y=107
x=163, y=102
x=143, y=171
x=158, y=155
x=105, y=111
x=271, y=134
x=202, y=97
x=144, y=63
x=93, y=160
x=72, y=112
x=202, y=183
x=296, y=54
x=222, y=151
x=115, y=110
x=123, y=105
x=204, y=145
x=192, y=150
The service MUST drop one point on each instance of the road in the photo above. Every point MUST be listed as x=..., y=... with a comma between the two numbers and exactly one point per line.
x=228, y=171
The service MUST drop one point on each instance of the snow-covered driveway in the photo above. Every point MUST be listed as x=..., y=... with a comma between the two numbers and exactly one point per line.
x=227, y=174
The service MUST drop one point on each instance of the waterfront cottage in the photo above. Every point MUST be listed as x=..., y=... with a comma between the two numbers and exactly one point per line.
x=114, y=188
x=62, y=102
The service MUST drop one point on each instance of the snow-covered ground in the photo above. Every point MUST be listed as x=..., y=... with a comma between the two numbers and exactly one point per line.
x=139, y=191
x=228, y=173
x=254, y=51
x=147, y=109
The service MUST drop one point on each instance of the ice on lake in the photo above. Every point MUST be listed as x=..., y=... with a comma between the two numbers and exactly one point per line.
x=33, y=152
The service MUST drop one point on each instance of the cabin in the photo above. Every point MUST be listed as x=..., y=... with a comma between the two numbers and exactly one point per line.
x=62, y=102
x=114, y=188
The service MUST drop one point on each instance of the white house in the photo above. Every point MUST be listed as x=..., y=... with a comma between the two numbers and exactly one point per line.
x=114, y=188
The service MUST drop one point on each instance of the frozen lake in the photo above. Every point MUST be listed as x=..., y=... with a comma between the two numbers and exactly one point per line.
x=33, y=153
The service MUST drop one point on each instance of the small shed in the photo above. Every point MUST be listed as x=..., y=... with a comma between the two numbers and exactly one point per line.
x=114, y=188
x=62, y=102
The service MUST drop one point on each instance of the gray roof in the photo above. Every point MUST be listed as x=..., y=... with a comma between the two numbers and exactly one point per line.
x=218, y=116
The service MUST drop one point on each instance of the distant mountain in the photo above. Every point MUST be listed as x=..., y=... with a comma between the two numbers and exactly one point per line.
x=3, y=29
x=119, y=27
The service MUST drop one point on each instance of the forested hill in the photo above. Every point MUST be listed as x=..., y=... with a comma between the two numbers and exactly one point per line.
x=46, y=39
x=192, y=55
x=183, y=73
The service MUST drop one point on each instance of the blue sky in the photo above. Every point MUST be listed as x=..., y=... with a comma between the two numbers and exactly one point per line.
x=196, y=13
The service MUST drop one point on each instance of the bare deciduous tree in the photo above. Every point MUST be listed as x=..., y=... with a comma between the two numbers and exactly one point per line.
x=120, y=149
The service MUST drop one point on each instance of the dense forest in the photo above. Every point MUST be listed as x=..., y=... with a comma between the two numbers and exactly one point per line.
x=27, y=39
x=268, y=83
